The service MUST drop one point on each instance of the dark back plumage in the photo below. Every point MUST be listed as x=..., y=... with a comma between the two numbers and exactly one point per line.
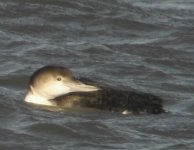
x=115, y=100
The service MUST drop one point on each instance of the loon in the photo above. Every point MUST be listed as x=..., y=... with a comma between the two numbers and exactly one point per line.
x=55, y=86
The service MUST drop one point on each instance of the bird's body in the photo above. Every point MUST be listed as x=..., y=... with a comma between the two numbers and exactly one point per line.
x=56, y=87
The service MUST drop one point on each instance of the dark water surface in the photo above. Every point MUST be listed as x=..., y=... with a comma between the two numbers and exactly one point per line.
x=142, y=44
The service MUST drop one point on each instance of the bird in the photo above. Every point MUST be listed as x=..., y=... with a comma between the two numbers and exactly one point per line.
x=55, y=86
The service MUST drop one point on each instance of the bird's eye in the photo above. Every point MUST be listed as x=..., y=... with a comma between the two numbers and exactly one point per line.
x=59, y=78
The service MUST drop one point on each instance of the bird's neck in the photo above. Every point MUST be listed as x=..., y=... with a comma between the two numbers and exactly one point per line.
x=34, y=98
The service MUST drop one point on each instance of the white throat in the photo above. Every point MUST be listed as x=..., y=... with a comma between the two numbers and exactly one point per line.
x=34, y=98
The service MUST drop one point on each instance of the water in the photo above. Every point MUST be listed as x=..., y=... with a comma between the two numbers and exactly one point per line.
x=142, y=44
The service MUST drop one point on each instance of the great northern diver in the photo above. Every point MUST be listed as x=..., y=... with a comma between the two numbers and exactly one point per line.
x=56, y=86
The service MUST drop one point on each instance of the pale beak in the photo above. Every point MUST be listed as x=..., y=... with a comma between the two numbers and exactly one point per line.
x=80, y=87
